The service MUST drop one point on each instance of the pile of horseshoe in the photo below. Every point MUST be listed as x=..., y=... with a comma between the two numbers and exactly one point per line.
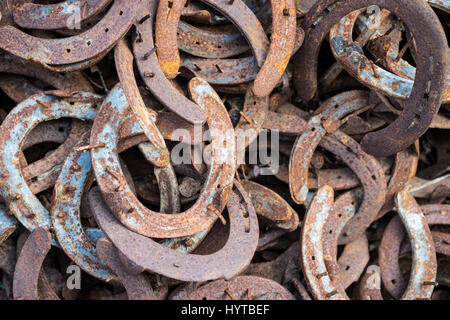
x=98, y=95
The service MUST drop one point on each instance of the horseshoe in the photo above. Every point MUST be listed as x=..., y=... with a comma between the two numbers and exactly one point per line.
x=371, y=176
x=127, y=207
x=245, y=20
x=252, y=119
x=355, y=256
x=368, y=31
x=65, y=213
x=85, y=46
x=145, y=117
x=17, y=88
x=284, y=20
x=429, y=84
x=241, y=287
x=15, y=128
x=311, y=248
x=29, y=264
x=167, y=17
x=227, y=262
x=271, y=206
x=213, y=43
x=58, y=15
x=285, y=123
x=151, y=72
x=403, y=172
x=390, y=59
x=236, y=70
x=58, y=156
x=368, y=285
x=394, y=234
x=223, y=71
x=69, y=81
x=136, y=285
x=334, y=109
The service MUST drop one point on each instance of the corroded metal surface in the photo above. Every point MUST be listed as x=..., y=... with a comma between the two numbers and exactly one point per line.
x=429, y=84
x=226, y=262
x=56, y=16
x=29, y=263
x=212, y=174
x=242, y=287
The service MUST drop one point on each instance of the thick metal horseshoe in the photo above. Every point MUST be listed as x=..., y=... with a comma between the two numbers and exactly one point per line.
x=227, y=262
x=124, y=203
x=19, y=123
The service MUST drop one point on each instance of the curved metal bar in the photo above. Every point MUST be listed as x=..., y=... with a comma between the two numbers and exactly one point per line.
x=14, y=130
x=245, y=20
x=328, y=121
x=124, y=204
x=311, y=248
x=58, y=15
x=429, y=84
x=145, y=117
x=284, y=23
x=241, y=287
x=210, y=43
x=85, y=46
x=150, y=70
x=65, y=213
x=227, y=262
x=167, y=17
x=29, y=264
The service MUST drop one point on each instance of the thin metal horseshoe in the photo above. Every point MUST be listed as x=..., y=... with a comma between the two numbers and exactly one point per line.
x=124, y=203
x=15, y=128
x=58, y=15
x=284, y=21
x=145, y=117
x=227, y=262
x=311, y=248
x=429, y=84
x=137, y=285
